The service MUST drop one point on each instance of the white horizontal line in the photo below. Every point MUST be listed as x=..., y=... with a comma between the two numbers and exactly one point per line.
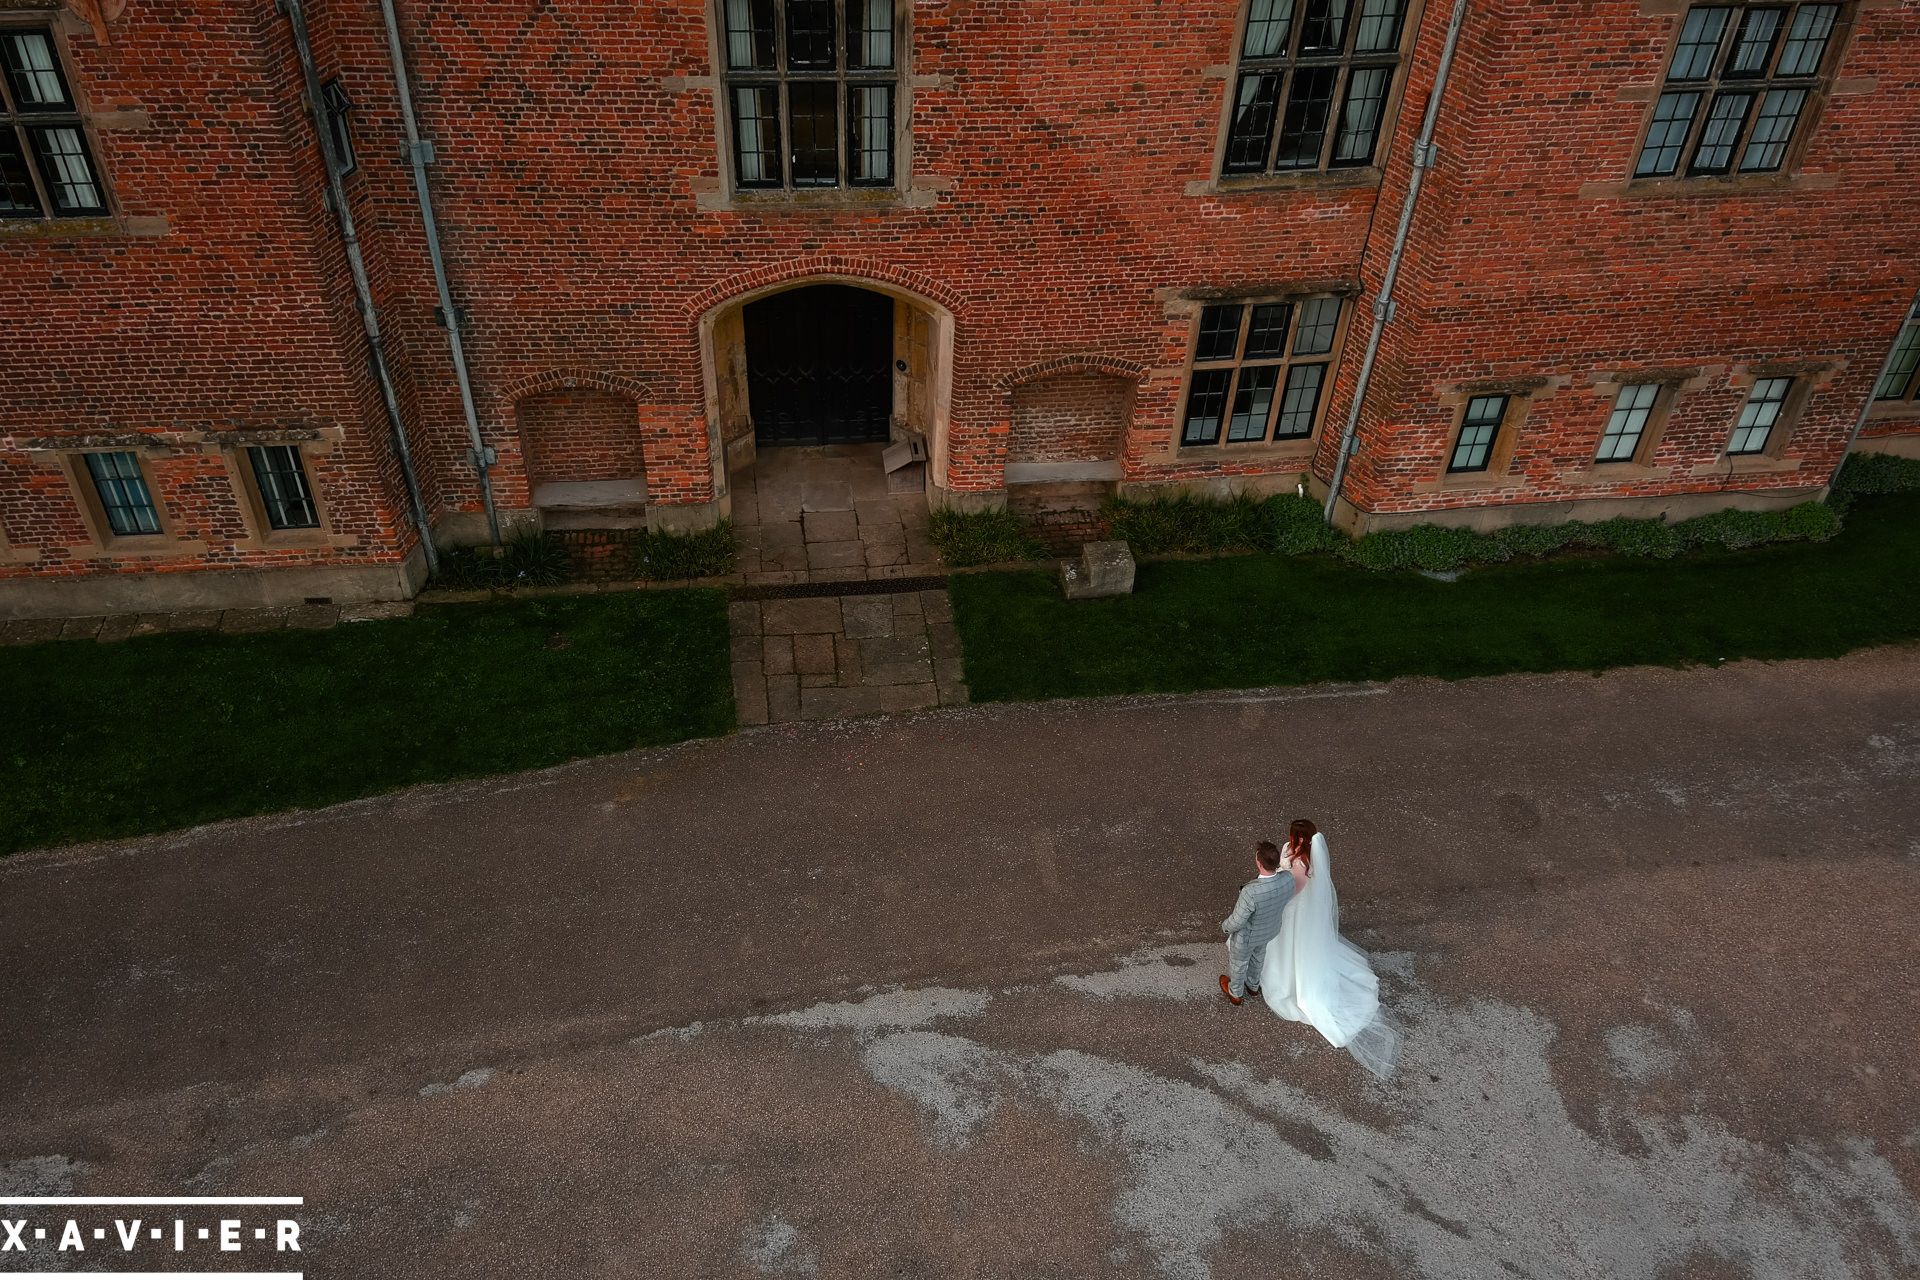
x=148, y=1200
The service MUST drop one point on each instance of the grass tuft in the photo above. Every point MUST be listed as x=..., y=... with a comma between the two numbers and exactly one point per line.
x=527, y=559
x=965, y=538
x=677, y=557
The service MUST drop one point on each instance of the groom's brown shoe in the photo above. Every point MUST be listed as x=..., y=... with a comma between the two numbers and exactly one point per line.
x=1226, y=989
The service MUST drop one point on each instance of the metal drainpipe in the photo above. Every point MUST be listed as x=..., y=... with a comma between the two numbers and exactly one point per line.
x=356, y=264
x=1886, y=366
x=420, y=154
x=1423, y=153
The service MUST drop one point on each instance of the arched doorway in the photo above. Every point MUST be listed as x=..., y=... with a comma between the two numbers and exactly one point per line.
x=820, y=365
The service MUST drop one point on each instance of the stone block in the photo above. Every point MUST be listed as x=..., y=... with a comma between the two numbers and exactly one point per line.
x=1103, y=569
x=808, y=615
x=813, y=653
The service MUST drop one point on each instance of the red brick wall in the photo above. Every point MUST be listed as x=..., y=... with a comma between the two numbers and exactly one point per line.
x=1060, y=210
x=579, y=435
x=1075, y=417
x=214, y=305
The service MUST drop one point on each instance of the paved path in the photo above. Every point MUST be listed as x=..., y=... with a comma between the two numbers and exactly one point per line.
x=928, y=996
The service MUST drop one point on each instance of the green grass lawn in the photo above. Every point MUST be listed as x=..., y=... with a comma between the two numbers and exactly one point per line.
x=167, y=731
x=1270, y=620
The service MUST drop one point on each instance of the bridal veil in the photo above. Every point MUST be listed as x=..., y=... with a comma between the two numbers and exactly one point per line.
x=1313, y=975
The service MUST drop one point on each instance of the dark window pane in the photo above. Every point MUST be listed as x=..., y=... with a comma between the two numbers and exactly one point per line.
x=1672, y=118
x=1753, y=45
x=1360, y=118
x=17, y=196
x=1267, y=332
x=1906, y=359
x=813, y=118
x=870, y=136
x=66, y=169
x=1206, y=401
x=1379, y=27
x=756, y=135
x=1219, y=333
x=1319, y=318
x=1759, y=415
x=1779, y=115
x=1700, y=36
x=1252, y=403
x=1323, y=28
x=1252, y=128
x=810, y=35
x=123, y=494
x=1478, y=428
x=1268, y=22
x=870, y=33
x=1725, y=118
x=1628, y=422
x=33, y=72
x=750, y=35
x=1807, y=40
x=1301, y=403
x=283, y=487
x=1304, y=127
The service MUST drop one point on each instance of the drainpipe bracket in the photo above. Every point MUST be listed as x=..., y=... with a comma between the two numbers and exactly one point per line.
x=420, y=152
x=482, y=458
x=1383, y=310
x=1424, y=154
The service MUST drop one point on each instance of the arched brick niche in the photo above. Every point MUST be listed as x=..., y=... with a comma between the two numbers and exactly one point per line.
x=585, y=459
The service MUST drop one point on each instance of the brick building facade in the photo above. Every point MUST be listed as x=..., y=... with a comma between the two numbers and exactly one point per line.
x=1658, y=261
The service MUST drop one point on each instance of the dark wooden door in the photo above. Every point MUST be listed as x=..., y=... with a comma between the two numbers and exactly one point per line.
x=820, y=365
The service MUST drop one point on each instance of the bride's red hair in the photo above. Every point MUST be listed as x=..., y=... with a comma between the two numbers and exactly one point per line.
x=1300, y=842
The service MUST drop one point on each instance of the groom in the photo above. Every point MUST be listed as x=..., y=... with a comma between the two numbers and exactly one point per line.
x=1254, y=922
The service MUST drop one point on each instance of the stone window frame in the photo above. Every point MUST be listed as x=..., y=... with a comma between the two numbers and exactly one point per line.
x=16, y=122
x=1367, y=175
x=102, y=541
x=1523, y=396
x=1606, y=387
x=66, y=24
x=260, y=533
x=1905, y=402
x=1821, y=87
x=1809, y=378
x=724, y=79
x=1296, y=449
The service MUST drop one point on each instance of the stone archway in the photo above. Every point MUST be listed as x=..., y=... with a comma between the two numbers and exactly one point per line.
x=922, y=355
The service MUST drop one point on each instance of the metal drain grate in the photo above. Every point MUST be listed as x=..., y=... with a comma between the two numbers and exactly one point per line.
x=871, y=587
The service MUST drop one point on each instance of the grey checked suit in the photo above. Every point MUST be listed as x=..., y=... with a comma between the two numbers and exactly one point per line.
x=1254, y=922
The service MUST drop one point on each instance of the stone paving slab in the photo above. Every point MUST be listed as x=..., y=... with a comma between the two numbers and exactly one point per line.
x=829, y=657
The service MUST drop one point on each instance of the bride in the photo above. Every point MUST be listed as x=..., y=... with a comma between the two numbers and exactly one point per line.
x=1313, y=975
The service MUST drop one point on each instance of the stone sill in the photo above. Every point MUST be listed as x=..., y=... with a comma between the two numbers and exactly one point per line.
x=62, y=229
x=1307, y=182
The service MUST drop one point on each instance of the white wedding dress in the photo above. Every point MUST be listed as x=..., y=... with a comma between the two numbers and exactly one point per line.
x=1313, y=975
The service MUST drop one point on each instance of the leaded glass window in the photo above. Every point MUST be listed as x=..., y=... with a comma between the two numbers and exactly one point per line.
x=1737, y=88
x=123, y=494
x=46, y=165
x=1314, y=81
x=1900, y=382
x=1259, y=370
x=285, y=495
x=1627, y=424
x=812, y=92
x=1759, y=415
x=1479, y=428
